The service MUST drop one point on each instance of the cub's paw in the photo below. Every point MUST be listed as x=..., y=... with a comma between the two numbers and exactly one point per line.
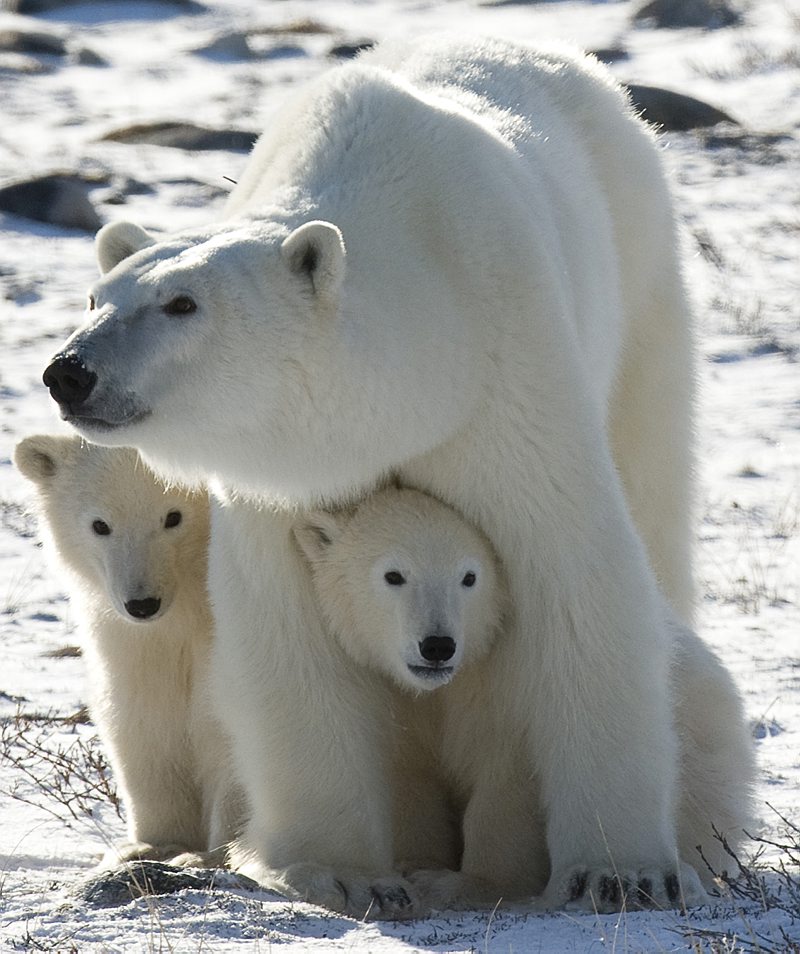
x=217, y=858
x=353, y=893
x=607, y=889
x=138, y=851
x=444, y=890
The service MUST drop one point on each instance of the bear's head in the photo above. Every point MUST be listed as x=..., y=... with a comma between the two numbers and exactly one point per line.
x=262, y=354
x=130, y=542
x=206, y=348
x=405, y=584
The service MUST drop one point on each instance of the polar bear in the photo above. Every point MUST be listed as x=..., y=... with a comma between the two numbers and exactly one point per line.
x=455, y=262
x=401, y=566
x=415, y=594
x=136, y=554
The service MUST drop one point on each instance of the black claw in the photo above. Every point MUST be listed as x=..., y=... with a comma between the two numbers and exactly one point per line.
x=672, y=887
x=577, y=885
x=645, y=892
x=342, y=887
x=610, y=889
x=394, y=898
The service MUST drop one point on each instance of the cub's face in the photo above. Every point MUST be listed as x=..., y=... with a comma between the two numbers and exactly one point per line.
x=407, y=586
x=130, y=542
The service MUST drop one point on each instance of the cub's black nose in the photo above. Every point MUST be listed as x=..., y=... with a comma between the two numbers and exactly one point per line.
x=69, y=380
x=143, y=609
x=437, y=648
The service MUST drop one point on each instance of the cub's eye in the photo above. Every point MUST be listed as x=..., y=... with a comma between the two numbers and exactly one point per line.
x=180, y=305
x=469, y=579
x=173, y=518
x=101, y=528
x=90, y=303
x=393, y=578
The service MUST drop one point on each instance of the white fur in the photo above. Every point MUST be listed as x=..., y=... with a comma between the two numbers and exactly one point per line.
x=494, y=311
x=148, y=677
x=443, y=584
x=449, y=748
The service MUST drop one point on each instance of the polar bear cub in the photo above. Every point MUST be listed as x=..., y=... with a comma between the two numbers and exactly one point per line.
x=136, y=554
x=412, y=590
x=406, y=584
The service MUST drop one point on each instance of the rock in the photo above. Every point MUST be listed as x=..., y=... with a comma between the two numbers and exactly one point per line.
x=36, y=42
x=346, y=51
x=180, y=135
x=57, y=199
x=227, y=46
x=675, y=14
x=306, y=26
x=46, y=6
x=611, y=54
x=86, y=57
x=139, y=879
x=675, y=111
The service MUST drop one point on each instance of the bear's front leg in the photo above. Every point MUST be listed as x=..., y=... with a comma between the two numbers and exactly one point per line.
x=603, y=740
x=585, y=654
x=309, y=729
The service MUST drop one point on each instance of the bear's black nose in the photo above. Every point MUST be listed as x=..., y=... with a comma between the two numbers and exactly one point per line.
x=143, y=609
x=437, y=648
x=69, y=380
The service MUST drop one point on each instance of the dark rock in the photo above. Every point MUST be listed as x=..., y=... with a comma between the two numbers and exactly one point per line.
x=306, y=26
x=184, y=136
x=675, y=111
x=675, y=14
x=29, y=7
x=86, y=57
x=346, y=51
x=138, y=879
x=36, y=42
x=55, y=199
x=228, y=46
x=611, y=54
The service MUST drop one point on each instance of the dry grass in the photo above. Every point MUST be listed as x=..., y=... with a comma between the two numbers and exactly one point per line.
x=60, y=768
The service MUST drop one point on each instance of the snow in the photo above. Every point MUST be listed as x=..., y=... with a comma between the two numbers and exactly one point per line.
x=738, y=199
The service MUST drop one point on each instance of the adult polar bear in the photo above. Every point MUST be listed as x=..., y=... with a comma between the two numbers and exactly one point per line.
x=455, y=262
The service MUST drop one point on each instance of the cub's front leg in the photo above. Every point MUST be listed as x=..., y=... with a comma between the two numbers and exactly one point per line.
x=309, y=730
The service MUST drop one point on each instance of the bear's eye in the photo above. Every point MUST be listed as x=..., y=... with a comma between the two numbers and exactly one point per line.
x=394, y=578
x=180, y=305
x=469, y=579
x=101, y=528
x=173, y=518
x=90, y=303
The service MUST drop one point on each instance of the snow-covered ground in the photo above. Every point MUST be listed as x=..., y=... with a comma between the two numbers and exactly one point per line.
x=737, y=192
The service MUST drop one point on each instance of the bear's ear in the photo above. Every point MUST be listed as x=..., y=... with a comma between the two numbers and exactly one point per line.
x=316, y=251
x=40, y=457
x=315, y=532
x=116, y=241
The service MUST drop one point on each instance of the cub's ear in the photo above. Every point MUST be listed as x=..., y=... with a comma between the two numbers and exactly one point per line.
x=316, y=251
x=40, y=456
x=116, y=241
x=315, y=532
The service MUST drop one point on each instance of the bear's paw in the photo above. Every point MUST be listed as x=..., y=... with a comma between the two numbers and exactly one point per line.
x=353, y=893
x=608, y=888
